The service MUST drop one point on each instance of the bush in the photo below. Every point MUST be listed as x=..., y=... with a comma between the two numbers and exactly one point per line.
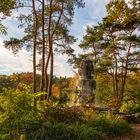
x=104, y=125
x=137, y=115
x=17, y=112
x=111, y=125
x=61, y=131
x=62, y=114
x=20, y=119
x=130, y=107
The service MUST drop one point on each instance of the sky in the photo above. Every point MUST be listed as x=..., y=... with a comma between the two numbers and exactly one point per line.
x=90, y=15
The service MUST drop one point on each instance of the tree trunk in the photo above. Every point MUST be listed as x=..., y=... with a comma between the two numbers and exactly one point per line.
x=43, y=48
x=116, y=77
x=46, y=72
x=35, y=26
x=95, y=59
x=116, y=66
x=125, y=72
x=51, y=76
x=49, y=46
x=113, y=82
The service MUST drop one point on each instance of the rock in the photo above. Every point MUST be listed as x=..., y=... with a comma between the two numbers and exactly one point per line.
x=86, y=83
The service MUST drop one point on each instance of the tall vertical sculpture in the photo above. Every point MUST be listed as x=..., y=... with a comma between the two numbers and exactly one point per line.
x=86, y=83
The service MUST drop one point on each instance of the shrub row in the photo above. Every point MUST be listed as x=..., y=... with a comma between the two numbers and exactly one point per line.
x=61, y=131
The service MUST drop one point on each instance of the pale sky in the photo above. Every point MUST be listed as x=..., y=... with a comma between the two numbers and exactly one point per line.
x=90, y=15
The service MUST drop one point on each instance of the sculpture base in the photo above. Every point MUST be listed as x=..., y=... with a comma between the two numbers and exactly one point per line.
x=87, y=91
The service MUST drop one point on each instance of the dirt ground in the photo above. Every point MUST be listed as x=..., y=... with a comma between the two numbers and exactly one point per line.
x=135, y=133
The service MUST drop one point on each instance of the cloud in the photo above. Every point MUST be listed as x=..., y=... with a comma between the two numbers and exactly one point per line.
x=10, y=63
x=22, y=62
x=61, y=67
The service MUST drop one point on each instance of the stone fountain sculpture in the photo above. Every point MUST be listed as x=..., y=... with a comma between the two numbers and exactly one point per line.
x=86, y=83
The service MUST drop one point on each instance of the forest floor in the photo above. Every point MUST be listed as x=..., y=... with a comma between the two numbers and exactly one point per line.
x=135, y=133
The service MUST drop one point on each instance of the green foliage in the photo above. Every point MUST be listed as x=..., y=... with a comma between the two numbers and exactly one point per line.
x=102, y=126
x=12, y=81
x=111, y=125
x=2, y=29
x=130, y=107
x=6, y=6
x=131, y=102
x=13, y=44
x=61, y=131
x=19, y=119
x=60, y=114
x=16, y=111
x=5, y=82
x=64, y=96
x=104, y=91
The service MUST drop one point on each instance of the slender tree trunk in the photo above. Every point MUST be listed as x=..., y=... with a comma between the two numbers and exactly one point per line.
x=49, y=46
x=51, y=76
x=125, y=72
x=113, y=82
x=43, y=48
x=95, y=58
x=35, y=26
x=46, y=72
x=116, y=67
x=116, y=77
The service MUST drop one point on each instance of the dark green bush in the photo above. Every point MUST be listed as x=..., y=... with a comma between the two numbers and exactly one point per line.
x=61, y=131
x=130, y=107
x=137, y=115
x=111, y=125
x=103, y=126
x=60, y=114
